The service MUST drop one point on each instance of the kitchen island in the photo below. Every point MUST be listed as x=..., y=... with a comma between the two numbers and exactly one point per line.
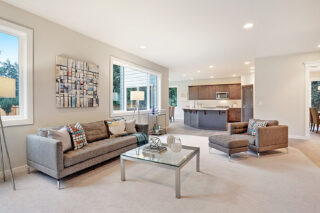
x=206, y=118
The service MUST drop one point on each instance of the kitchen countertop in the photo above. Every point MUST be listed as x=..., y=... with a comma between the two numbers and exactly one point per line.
x=203, y=108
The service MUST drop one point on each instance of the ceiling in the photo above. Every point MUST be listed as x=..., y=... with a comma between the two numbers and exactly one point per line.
x=189, y=35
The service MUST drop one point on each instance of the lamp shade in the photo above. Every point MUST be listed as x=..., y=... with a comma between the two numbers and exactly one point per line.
x=7, y=87
x=137, y=95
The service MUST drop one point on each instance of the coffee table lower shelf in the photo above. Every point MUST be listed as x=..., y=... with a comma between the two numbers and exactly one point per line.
x=176, y=169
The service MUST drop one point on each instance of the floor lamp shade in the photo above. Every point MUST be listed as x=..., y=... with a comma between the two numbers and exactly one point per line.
x=7, y=87
x=137, y=95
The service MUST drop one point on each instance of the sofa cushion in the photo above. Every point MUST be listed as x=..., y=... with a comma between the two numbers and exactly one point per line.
x=63, y=136
x=229, y=141
x=131, y=126
x=95, y=131
x=96, y=149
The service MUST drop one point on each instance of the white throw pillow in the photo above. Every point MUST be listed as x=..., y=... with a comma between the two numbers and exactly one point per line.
x=63, y=136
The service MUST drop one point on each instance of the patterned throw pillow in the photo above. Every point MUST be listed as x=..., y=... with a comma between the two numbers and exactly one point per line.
x=117, y=128
x=257, y=125
x=78, y=136
x=250, y=126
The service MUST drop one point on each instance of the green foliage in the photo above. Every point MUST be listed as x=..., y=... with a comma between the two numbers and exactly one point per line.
x=315, y=94
x=6, y=104
x=9, y=70
x=173, y=96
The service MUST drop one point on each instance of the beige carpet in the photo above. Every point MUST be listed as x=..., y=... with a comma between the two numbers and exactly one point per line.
x=277, y=182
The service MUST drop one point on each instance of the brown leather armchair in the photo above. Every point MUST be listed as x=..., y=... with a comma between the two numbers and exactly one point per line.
x=274, y=136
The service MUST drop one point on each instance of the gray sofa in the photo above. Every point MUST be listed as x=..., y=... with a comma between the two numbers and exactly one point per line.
x=46, y=154
x=274, y=136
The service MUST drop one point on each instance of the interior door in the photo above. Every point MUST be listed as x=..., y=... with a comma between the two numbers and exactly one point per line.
x=247, y=103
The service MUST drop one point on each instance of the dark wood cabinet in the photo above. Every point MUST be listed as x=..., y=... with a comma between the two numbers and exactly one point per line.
x=208, y=92
x=203, y=93
x=211, y=92
x=234, y=115
x=222, y=88
x=235, y=91
x=194, y=93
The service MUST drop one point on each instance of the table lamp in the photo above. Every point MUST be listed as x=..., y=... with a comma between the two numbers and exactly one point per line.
x=137, y=96
x=7, y=90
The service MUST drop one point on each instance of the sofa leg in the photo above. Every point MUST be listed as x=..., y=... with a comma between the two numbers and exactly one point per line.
x=229, y=157
x=58, y=184
x=258, y=154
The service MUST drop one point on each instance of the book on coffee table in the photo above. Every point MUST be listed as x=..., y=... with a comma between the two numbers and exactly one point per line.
x=154, y=150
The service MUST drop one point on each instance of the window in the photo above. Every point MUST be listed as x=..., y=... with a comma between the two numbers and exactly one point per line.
x=127, y=77
x=173, y=96
x=16, y=63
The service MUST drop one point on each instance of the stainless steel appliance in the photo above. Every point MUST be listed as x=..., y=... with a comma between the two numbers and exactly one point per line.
x=222, y=95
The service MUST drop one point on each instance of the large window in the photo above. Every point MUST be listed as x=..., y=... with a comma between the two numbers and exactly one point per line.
x=127, y=77
x=16, y=58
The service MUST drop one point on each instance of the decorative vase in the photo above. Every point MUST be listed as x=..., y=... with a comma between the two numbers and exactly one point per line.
x=170, y=140
x=177, y=145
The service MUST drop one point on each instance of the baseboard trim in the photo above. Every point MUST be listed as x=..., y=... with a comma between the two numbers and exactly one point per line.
x=306, y=137
x=15, y=170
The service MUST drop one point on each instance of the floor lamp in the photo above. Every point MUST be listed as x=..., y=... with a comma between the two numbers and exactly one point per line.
x=7, y=90
x=137, y=96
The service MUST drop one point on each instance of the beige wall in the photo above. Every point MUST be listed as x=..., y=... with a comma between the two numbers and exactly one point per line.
x=50, y=40
x=182, y=90
x=280, y=90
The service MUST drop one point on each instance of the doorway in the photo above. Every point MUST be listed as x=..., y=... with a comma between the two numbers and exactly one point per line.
x=247, y=103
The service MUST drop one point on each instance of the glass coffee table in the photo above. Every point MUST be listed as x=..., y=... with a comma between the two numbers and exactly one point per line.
x=166, y=159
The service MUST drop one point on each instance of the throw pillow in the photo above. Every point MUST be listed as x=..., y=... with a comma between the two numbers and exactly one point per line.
x=131, y=126
x=95, y=131
x=250, y=126
x=117, y=127
x=257, y=125
x=63, y=136
x=78, y=136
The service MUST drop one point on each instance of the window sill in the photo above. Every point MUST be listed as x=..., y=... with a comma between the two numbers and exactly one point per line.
x=8, y=122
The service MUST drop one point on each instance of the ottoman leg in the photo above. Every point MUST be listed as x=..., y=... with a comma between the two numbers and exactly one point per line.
x=258, y=154
x=229, y=157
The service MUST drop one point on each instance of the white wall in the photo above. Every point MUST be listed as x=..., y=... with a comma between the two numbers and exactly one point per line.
x=182, y=90
x=280, y=90
x=247, y=79
x=51, y=40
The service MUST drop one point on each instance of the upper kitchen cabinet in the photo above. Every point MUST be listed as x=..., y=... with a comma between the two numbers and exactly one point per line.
x=193, y=93
x=235, y=91
x=222, y=88
x=203, y=93
x=212, y=92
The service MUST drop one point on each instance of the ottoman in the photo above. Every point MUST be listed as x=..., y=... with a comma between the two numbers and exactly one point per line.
x=229, y=144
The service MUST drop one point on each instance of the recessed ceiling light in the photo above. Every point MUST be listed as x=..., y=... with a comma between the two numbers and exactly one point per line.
x=234, y=75
x=251, y=68
x=211, y=66
x=248, y=25
x=143, y=47
x=319, y=45
x=247, y=62
x=211, y=76
x=198, y=71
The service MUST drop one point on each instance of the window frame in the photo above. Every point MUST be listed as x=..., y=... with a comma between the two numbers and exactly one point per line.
x=25, y=61
x=120, y=62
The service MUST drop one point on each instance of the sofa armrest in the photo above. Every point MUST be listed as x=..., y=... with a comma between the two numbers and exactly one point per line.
x=272, y=135
x=143, y=128
x=45, y=151
x=238, y=128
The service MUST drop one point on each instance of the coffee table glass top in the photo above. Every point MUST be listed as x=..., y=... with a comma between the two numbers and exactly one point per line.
x=167, y=157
